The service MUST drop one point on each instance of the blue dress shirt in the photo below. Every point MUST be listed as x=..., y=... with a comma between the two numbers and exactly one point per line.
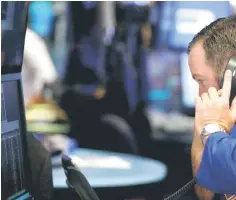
x=217, y=170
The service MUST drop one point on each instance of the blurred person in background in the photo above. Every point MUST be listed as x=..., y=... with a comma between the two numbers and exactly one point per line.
x=214, y=154
x=38, y=67
x=38, y=70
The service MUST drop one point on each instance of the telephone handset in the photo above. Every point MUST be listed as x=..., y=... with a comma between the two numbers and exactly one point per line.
x=231, y=66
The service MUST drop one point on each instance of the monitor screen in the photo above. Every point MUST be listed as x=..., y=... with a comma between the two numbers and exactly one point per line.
x=13, y=166
x=181, y=20
x=188, y=84
x=164, y=88
x=189, y=17
x=13, y=21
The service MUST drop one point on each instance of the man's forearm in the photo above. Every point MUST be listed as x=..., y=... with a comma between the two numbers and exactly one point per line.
x=196, y=156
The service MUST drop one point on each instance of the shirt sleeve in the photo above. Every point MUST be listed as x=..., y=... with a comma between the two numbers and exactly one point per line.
x=217, y=171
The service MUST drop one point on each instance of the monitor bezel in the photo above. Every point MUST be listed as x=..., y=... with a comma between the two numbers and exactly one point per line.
x=13, y=73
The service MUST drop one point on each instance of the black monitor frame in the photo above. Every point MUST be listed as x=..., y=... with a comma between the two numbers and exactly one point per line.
x=13, y=74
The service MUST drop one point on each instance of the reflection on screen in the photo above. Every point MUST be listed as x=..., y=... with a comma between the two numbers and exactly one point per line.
x=188, y=84
x=13, y=32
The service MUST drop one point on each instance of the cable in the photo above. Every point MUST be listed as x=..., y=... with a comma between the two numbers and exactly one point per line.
x=182, y=191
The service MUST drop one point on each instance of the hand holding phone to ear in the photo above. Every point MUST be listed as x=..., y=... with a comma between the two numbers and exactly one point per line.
x=214, y=107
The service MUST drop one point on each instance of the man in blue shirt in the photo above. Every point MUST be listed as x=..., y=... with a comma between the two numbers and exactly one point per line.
x=214, y=141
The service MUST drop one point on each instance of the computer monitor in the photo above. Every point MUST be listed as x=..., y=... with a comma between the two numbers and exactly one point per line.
x=15, y=168
x=181, y=20
x=189, y=86
x=170, y=83
x=189, y=17
x=164, y=86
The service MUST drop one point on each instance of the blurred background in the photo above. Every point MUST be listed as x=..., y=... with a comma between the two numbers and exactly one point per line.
x=122, y=81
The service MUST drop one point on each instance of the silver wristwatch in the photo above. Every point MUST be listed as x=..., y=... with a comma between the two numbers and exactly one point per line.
x=210, y=129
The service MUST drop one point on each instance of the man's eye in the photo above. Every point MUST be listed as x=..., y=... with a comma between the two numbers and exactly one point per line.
x=200, y=81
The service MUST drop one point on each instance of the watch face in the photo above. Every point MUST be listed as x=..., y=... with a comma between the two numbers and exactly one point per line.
x=211, y=128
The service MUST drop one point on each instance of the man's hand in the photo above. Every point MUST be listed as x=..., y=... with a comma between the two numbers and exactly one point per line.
x=212, y=108
x=57, y=142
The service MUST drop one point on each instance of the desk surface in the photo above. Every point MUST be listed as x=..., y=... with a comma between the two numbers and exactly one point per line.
x=109, y=169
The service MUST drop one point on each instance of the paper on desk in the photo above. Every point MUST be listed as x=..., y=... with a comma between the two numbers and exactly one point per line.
x=171, y=122
x=109, y=162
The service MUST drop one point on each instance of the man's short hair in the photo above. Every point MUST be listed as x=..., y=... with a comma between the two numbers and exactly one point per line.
x=219, y=42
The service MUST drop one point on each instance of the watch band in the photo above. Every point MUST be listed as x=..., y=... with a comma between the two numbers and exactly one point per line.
x=209, y=130
x=203, y=136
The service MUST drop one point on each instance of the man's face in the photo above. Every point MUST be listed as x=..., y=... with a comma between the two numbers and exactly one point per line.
x=200, y=69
